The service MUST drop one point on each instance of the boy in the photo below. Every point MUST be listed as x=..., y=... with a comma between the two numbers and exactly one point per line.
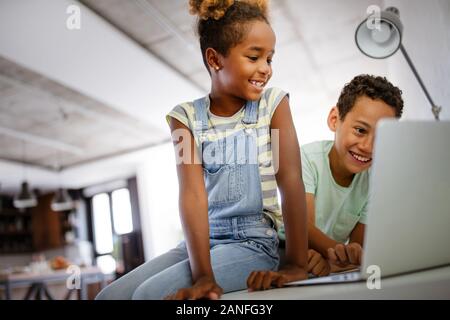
x=336, y=173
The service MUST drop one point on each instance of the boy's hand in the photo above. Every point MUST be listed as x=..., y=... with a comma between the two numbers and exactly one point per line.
x=343, y=255
x=317, y=264
x=204, y=288
x=263, y=280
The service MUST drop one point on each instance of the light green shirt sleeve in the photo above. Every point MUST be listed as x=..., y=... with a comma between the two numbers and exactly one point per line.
x=308, y=174
x=363, y=216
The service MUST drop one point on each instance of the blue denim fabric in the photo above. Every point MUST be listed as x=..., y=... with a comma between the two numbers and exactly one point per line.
x=231, y=171
x=233, y=187
x=239, y=246
x=242, y=239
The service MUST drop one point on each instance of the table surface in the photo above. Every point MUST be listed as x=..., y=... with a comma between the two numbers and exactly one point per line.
x=41, y=276
x=37, y=281
x=428, y=284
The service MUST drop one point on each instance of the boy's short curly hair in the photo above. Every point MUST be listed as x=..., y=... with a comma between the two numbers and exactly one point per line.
x=373, y=87
x=222, y=24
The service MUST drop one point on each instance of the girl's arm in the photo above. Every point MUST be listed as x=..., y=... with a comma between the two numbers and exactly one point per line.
x=193, y=203
x=290, y=184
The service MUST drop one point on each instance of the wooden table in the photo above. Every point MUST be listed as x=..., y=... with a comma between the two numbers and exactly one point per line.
x=37, y=282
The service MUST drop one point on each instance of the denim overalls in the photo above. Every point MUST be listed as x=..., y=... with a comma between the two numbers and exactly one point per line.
x=242, y=239
x=230, y=165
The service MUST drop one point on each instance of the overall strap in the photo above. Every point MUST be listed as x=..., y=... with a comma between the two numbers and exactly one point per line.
x=201, y=116
x=251, y=112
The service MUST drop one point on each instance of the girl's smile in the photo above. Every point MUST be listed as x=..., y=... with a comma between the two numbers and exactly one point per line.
x=259, y=85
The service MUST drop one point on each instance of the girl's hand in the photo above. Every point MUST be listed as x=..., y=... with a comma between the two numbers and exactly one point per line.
x=317, y=264
x=263, y=280
x=203, y=288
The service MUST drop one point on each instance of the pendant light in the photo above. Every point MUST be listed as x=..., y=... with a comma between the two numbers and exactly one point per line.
x=62, y=200
x=25, y=198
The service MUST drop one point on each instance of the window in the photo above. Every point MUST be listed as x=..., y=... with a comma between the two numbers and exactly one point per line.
x=112, y=209
x=123, y=221
x=106, y=263
x=103, y=236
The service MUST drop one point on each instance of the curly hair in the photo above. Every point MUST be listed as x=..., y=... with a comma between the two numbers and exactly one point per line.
x=222, y=24
x=373, y=87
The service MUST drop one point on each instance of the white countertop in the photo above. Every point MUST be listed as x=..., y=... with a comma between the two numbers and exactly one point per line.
x=428, y=284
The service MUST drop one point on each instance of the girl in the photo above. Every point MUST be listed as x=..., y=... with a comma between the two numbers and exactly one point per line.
x=228, y=181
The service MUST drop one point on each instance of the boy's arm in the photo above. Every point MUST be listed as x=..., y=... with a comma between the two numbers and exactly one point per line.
x=193, y=203
x=342, y=257
x=317, y=240
x=349, y=255
x=357, y=234
x=290, y=184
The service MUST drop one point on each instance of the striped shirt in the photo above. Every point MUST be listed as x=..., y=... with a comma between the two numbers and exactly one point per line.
x=225, y=126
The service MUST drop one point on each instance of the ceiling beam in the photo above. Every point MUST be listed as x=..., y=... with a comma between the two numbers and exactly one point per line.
x=153, y=12
x=54, y=144
x=65, y=104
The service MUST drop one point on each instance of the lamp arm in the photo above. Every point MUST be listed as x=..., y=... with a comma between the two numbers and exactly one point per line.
x=434, y=108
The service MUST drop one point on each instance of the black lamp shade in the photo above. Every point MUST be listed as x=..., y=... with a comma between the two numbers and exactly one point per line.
x=25, y=198
x=62, y=201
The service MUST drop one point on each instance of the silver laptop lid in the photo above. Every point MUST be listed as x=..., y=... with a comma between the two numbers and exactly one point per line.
x=408, y=225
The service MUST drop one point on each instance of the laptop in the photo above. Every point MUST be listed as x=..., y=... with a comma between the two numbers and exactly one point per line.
x=409, y=207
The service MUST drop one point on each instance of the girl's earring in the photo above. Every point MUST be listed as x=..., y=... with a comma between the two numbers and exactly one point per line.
x=217, y=68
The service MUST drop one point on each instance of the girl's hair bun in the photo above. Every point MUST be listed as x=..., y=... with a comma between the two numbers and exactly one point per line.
x=216, y=9
x=262, y=5
x=206, y=9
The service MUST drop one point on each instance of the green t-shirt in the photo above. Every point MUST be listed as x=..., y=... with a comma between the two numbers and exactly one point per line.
x=338, y=209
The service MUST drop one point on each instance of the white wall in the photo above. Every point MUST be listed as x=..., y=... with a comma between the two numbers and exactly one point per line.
x=95, y=60
x=426, y=38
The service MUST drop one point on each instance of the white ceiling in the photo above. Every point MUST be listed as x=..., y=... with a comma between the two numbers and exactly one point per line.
x=79, y=96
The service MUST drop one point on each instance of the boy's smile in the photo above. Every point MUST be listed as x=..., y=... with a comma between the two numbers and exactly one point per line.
x=353, y=145
x=359, y=158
